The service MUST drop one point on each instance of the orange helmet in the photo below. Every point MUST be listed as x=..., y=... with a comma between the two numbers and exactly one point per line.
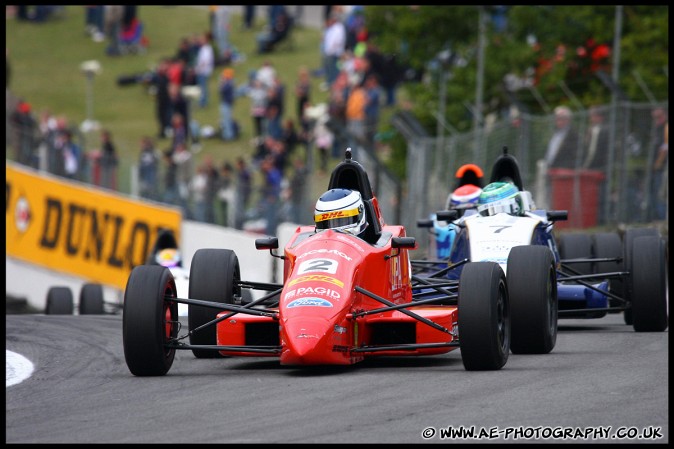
x=469, y=174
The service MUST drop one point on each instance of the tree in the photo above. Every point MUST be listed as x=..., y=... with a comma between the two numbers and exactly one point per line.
x=531, y=50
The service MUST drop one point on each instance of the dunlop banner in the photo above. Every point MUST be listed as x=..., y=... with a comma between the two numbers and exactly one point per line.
x=83, y=231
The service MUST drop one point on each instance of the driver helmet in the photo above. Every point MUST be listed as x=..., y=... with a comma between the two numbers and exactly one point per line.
x=465, y=197
x=168, y=257
x=500, y=197
x=340, y=209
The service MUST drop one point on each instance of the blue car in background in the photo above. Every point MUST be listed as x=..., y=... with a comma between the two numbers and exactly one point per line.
x=549, y=276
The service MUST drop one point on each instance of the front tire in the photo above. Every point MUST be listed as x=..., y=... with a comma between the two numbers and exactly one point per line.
x=149, y=321
x=213, y=276
x=59, y=301
x=484, y=317
x=532, y=288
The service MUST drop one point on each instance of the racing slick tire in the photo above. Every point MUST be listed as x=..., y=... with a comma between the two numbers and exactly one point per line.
x=212, y=278
x=648, y=275
x=532, y=289
x=59, y=301
x=149, y=321
x=609, y=245
x=484, y=317
x=630, y=235
x=577, y=246
x=91, y=299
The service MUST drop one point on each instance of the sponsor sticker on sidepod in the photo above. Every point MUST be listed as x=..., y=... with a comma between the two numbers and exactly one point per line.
x=310, y=302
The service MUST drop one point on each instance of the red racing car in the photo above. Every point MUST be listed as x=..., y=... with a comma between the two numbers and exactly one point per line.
x=344, y=298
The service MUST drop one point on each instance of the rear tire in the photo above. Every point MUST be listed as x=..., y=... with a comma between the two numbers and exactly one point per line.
x=91, y=299
x=649, y=283
x=577, y=246
x=484, y=317
x=532, y=288
x=149, y=321
x=212, y=278
x=59, y=301
x=628, y=289
x=608, y=245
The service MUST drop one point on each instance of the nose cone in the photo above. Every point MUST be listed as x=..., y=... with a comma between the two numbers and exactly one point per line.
x=308, y=341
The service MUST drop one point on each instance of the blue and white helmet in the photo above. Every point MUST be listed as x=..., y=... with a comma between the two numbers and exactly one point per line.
x=464, y=197
x=340, y=209
x=500, y=197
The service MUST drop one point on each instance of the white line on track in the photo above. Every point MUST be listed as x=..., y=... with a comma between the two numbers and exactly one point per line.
x=17, y=368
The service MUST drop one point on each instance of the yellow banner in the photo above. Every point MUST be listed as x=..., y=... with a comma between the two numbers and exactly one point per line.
x=79, y=229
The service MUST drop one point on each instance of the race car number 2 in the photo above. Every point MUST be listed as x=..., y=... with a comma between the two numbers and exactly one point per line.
x=318, y=265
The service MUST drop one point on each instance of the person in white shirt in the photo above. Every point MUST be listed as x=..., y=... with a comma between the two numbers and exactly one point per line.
x=204, y=67
x=334, y=42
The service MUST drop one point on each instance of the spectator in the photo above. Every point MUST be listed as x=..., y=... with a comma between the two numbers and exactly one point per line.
x=298, y=186
x=226, y=195
x=94, y=22
x=597, y=149
x=46, y=126
x=26, y=129
x=264, y=148
x=371, y=108
x=258, y=106
x=277, y=95
x=273, y=119
x=184, y=52
x=244, y=179
x=56, y=144
x=148, y=167
x=227, y=96
x=596, y=141
x=289, y=136
x=183, y=160
x=130, y=14
x=198, y=186
x=178, y=103
x=72, y=154
x=220, y=31
x=302, y=94
x=339, y=94
x=161, y=82
x=112, y=21
x=211, y=187
x=203, y=68
x=270, y=196
x=355, y=115
x=324, y=139
x=562, y=149
x=108, y=161
x=354, y=25
x=333, y=45
x=266, y=74
x=277, y=31
x=388, y=71
x=178, y=131
x=661, y=149
x=248, y=16
x=170, y=179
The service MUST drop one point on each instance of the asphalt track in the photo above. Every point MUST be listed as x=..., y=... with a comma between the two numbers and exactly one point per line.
x=600, y=374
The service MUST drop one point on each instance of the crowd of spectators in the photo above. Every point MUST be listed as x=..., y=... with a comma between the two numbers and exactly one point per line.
x=358, y=78
x=168, y=167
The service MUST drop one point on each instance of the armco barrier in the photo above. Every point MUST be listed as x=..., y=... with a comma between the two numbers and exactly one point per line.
x=66, y=233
